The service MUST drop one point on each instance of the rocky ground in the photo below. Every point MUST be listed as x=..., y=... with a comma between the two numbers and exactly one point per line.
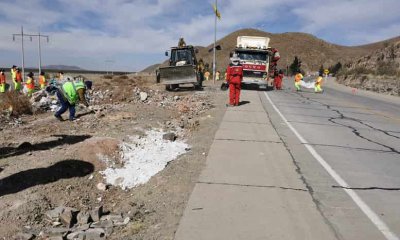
x=51, y=181
x=374, y=83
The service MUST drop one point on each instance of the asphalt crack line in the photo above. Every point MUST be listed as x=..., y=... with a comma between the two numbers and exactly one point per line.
x=303, y=179
x=367, y=188
x=351, y=148
x=375, y=219
x=353, y=129
x=253, y=185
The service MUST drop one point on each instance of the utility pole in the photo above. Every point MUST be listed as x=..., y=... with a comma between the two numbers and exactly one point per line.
x=215, y=40
x=23, y=35
x=40, y=49
x=22, y=49
x=108, y=64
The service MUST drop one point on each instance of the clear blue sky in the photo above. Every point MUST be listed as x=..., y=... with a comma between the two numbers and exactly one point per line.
x=135, y=33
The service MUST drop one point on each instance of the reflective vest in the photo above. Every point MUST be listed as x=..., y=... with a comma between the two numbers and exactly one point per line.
x=13, y=74
x=2, y=78
x=318, y=81
x=18, y=77
x=298, y=77
x=30, y=83
x=69, y=90
x=42, y=80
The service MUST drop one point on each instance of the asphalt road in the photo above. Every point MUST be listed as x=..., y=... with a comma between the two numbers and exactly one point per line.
x=348, y=151
x=301, y=165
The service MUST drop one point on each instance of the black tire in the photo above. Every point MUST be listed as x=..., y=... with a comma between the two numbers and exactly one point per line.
x=168, y=87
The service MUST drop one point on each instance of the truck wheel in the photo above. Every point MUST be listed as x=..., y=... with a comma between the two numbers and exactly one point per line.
x=168, y=87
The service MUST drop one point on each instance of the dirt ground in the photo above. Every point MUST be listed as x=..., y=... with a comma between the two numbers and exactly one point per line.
x=46, y=163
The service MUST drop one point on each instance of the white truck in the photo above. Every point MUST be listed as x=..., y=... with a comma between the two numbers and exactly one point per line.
x=255, y=55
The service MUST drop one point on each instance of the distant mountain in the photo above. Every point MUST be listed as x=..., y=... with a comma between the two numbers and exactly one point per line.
x=62, y=67
x=312, y=51
x=151, y=68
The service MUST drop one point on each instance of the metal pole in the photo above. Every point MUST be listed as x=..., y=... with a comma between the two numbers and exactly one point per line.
x=40, y=56
x=23, y=54
x=215, y=40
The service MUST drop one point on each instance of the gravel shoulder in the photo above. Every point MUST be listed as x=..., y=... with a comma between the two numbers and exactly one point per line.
x=45, y=163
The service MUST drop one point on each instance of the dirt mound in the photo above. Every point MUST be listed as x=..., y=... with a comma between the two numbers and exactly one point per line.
x=99, y=150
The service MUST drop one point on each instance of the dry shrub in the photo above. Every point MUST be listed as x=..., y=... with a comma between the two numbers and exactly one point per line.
x=123, y=77
x=108, y=76
x=18, y=103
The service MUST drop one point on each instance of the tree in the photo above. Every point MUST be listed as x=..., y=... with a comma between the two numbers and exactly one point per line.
x=295, y=67
x=335, y=68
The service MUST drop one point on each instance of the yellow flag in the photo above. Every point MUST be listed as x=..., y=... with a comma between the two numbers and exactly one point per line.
x=217, y=13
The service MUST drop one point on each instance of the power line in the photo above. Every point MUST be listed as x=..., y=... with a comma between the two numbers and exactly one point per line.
x=23, y=35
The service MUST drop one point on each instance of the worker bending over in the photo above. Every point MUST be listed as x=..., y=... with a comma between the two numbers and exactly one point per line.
x=318, y=83
x=234, y=77
x=297, y=81
x=68, y=95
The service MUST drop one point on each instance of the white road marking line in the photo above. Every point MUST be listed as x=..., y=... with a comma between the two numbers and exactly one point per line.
x=361, y=204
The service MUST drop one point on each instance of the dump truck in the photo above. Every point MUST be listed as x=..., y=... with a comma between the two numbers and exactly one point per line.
x=255, y=56
x=181, y=69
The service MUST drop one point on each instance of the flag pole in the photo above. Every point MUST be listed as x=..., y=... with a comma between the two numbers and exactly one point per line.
x=215, y=40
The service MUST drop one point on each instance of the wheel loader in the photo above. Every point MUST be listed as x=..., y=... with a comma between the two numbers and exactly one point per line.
x=181, y=69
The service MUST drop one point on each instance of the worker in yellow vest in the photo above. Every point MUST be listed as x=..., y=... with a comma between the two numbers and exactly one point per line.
x=2, y=81
x=217, y=76
x=207, y=75
x=68, y=95
x=30, y=84
x=42, y=80
x=13, y=72
x=318, y=83
x=18, y=80
x=297, y=81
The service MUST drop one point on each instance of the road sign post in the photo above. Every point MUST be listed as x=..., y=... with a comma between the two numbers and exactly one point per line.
x=326, y=72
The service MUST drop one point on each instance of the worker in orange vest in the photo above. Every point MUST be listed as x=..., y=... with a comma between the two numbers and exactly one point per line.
x=297, y=81
x=42, y=80
x=318, y=83
x=234, y=78
x=2, y=81
x=30, y=84
x=18, y=80
x=278, y=79
x=207, y=75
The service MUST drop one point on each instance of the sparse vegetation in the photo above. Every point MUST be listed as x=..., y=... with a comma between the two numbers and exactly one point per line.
x=108, y=76
x=16, y=104
x=295, y=66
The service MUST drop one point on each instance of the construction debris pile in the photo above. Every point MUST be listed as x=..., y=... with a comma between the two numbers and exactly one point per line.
x=65, y=223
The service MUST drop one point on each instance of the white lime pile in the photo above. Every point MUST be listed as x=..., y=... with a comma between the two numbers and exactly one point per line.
x=143, y=157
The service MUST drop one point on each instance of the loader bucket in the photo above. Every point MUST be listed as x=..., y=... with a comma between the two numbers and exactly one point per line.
x=178, y=74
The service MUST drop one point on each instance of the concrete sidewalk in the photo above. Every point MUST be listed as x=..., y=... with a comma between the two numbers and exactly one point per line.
x=249, y=188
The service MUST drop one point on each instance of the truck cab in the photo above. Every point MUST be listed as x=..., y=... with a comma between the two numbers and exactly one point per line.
x=254, y=54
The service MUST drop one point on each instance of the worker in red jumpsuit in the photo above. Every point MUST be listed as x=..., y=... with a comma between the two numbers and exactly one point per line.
x=234, y=77
x=278, y=80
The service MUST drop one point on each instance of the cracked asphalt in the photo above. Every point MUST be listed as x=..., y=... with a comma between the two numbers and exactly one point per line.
x=358, y=135
x=300, y=165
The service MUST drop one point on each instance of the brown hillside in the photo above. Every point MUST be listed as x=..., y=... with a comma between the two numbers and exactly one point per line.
x=311, y=50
